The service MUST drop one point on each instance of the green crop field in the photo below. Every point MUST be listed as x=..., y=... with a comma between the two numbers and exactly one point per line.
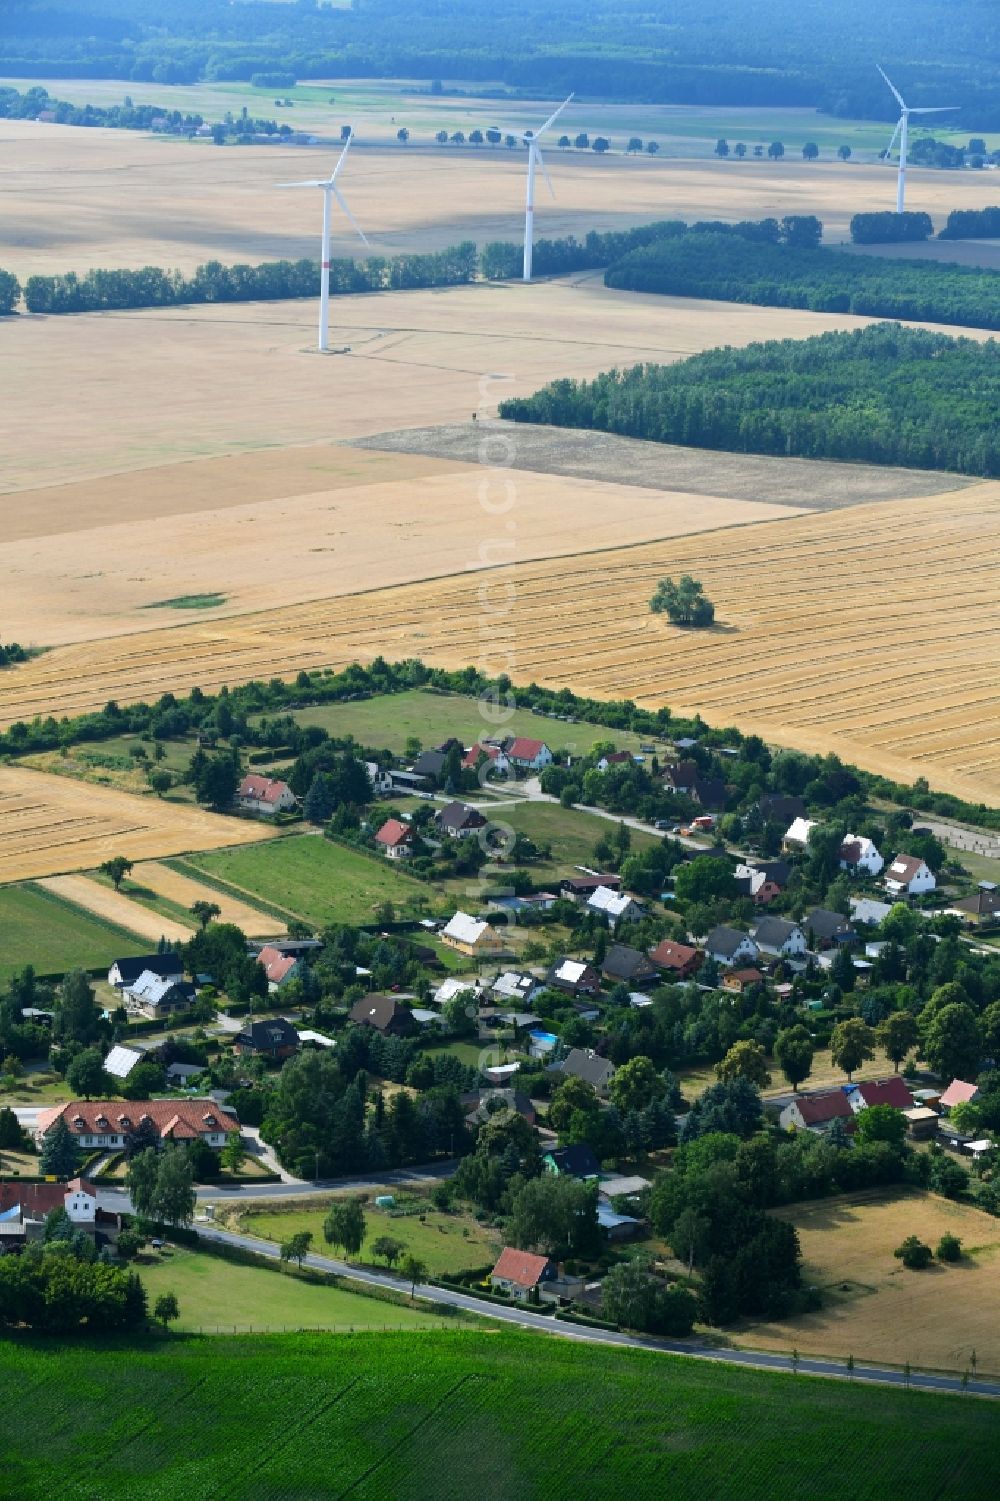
x=311, y=878
x=216, y=1294
x=53, y=935
x=461, y=1415
x=447, y=1243
x=387, y=723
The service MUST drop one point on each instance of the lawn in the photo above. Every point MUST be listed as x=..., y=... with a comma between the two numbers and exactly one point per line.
x=824, y=1075
x=460, y=1416
x=874, y=1308
x=311, y=878
x=571, y=834
x=53, y=935
x=447, y=1243
x=387, y=722
x=217, y=1295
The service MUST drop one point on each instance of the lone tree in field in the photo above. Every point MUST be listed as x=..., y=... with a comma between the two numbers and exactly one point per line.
x=722, y=147
x=165, y=1309
x=116, y=870
x=913, y=1254
x=345, y=1226
x=204, y=912
x=844, y=152
x=684, y=603
x=414, y=1270
x=810, y=151
x=775, y=151
x=794, y=1049
x=851, y=1044
x=296, y=1248
x=402, y=135
x=388, y=1248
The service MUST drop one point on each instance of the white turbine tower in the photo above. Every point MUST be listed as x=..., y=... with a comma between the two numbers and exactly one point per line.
x=330, y=191
x=531, y=139
x=903, y=132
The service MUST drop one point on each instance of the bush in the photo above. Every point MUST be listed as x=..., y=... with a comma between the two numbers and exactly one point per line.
x=888, y=228
x=949, y=1248
x=273, y=80
x=913, y=1254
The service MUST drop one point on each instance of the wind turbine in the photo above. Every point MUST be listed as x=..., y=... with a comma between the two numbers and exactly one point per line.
x=531, y=139
x=903, y=132
x=330, y=191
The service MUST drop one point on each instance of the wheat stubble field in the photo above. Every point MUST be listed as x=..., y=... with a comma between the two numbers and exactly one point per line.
x=206, y=451
x=50, y=824
x=871, y=632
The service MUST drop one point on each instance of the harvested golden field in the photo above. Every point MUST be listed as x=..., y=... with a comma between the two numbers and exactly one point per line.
x=142, y=200
x=116, y=907
x=385, y=518
x=49, y=825
x=185, y=891
x=179, y=384
x=877, y=1310
x=871, y=632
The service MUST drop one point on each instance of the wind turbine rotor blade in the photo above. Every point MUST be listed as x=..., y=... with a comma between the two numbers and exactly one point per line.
x=898, y=95
x=545, y=171
x=310, y=182
x=939, y=109
x=553, y=118
x=346, y=211
x=343, y=157
x=892, y=143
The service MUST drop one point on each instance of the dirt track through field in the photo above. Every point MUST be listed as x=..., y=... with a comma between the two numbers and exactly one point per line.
x=115, y=907
x=185, y=891
x=871, y=632
x=51, y=824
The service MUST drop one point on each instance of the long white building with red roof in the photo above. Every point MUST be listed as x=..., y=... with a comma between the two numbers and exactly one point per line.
x=108, y=1123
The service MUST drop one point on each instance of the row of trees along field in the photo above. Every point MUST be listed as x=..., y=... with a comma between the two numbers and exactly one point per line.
x=723, y=266
x=740, y=54
x=884, y=395
x=152, y=286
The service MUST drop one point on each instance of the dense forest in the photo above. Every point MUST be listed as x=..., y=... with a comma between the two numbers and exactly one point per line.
x=884, y=395
x=744, y=53
x=729, y=269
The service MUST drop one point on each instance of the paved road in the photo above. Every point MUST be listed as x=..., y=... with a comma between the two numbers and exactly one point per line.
x=525, y=1319
x=119, y=1202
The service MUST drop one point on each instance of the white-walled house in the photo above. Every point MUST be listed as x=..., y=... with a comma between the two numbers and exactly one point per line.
x=730, y=946
x=525, y=754
x=614, y=906
x=260, y=794
x=797, y=833
x=858, y=856
x=775, y=935
x=908, y=875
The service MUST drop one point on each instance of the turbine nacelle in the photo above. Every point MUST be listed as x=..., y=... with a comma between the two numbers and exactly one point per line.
x=330, y=191
x=901, y=133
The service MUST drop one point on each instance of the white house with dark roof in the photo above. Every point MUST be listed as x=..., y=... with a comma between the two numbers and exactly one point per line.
x=859, y=857
x=614, y=906
x=908, y=875
x=778, y=937
x=730, y=946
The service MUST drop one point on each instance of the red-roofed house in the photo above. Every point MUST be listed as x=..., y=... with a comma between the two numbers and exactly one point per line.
x=908, y=876
x=518, y=1273
x=395, y=838
x=260, y=794
x=959, y=1093
x=107, y=1123
x=496, y=759
x=881, y=1092
x=678, y=960
x=278, y=967
x=526, y=755
x=816, y=1112
x=24, y=1206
